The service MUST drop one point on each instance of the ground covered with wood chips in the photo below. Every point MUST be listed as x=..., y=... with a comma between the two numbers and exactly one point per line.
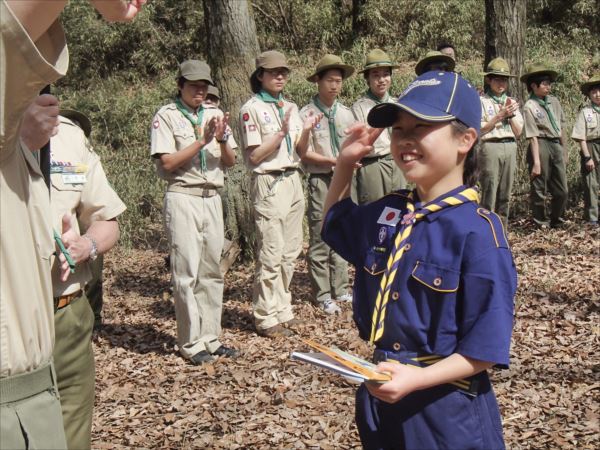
x=149, y=397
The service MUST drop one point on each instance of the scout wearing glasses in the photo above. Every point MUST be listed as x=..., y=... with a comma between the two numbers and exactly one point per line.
x=501, y=126
x=435, y=279
x=587, y=132
x=273, y=133
x=81, y=194
x=327, y=271
x=547, y=157
x=191, y=146
x=378, y=175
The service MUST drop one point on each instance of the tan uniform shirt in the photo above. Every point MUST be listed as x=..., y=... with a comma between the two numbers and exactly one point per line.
x=502, y=130
x=361, y=109
x=171, y=131
x=26, y=243
x=537, y=122
x=587, y=125
x=80, y=189
x=260, y=120
x=320, y=135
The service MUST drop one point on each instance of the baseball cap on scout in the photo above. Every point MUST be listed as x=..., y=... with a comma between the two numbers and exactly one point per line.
x=194, y=70
x=433, y=97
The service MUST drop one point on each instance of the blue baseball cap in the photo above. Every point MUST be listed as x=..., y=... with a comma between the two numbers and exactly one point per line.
x=434, y=97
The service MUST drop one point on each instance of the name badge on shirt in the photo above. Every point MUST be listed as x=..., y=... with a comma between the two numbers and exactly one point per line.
x=74, y=178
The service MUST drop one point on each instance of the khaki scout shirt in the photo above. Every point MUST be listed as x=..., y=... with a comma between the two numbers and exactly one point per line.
x=502, y=130
x=26, y=243
x=361, y=109
x=537, y=123
x=320, y=136
x=80, y=189
x=260, y=120
x=587, y=125
x=171, y=131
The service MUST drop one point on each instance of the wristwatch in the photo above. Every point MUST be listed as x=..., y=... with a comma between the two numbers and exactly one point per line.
x=94, y=250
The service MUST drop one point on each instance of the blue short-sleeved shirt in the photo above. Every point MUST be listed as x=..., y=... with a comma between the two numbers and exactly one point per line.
x=454, y=290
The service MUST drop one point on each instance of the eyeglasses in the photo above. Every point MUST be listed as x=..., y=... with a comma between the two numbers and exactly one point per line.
x=279, y=71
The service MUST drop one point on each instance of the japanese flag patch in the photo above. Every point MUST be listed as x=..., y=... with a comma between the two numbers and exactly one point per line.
x=389, y=216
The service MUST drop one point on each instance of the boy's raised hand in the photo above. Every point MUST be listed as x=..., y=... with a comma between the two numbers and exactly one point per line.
x=358, y=144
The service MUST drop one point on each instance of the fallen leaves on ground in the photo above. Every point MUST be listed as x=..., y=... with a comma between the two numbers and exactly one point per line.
x=147, y=396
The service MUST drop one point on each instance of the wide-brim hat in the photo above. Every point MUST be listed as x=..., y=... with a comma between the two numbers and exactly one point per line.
x=434, y=56
x=271, y=59
x=537, y=69
x=378, y=58
x=81, y=119
x=433, y=97
x=329, y=62
x=589, y=84
x=194, y=70
x=213, y=90
x=498, y=67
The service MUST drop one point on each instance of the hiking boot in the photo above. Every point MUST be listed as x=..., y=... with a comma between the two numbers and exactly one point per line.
x=227, y=352
x=347, y=297
x=202, y=357
x=330, y=307
x=276, y=331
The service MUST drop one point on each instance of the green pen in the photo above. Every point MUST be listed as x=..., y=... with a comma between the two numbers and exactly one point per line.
x=64, y=251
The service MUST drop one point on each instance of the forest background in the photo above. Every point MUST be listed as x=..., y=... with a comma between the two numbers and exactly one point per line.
x=121, y=74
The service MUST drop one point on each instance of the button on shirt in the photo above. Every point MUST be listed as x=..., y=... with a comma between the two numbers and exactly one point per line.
x=537, y=122
x=454, y=289
x=587, y=125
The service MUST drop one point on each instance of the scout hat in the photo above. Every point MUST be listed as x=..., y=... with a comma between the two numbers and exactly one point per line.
x=589, y=84
x=194, y=70
x=434, y=57
x=271, y=59
x=378, y=58
x=538, y=69
x=328, y=62
x=434, y=97
x=214, y=91
x=499, y=67
x=79, y=118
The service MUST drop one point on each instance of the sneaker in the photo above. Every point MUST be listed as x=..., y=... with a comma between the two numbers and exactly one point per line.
x=202, y=357
x=227, y=352
x=276, y=331
x=330, y=307
x=347, y=297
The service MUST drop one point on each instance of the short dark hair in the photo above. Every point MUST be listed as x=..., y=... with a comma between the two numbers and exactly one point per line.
x=437, y=65
x=181, y=81
x=445, y=44
x=322, y=73
x=255, y=83
x=366, y=72
x=537, y=80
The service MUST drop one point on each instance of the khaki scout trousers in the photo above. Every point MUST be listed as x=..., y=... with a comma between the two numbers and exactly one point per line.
x=194, y=227
x=75, y=372
x=93, y=289
x=30, y=415
x=591, y=181
x=553, y=179
x=327, y=270
x=278, y=202
x=376, y=178
x=498, y=161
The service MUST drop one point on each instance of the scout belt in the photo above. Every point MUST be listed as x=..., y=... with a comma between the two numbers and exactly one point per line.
x=65, y=300
x=501, y=140
x=467, y=385
x=24, y=385
x=550, y=139
x=374, y=159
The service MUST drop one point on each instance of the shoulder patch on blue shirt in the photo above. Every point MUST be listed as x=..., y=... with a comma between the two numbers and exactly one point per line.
x=496, y=225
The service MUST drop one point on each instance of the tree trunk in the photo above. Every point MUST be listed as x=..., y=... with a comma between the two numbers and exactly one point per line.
x=359, y=24
x=232, y=46
x=505, y=22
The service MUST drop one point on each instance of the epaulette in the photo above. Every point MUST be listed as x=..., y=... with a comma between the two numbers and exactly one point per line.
x=496, y=226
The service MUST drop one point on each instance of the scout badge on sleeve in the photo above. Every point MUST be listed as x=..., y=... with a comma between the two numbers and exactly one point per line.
x=389, y=216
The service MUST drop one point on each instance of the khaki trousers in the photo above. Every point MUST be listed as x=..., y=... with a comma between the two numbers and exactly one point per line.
x=553, y=180
x=498, y=161
x=278, y=202
x=30, y=415
x=591, y=181
x=93, y=289
x=376, y=178
x=75, y=372
x=327, y=271
x=194, y=227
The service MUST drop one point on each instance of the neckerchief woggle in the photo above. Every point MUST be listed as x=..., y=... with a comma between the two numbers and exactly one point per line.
x=415, y=213
x=197, y=125
x=268, y=98
x=330, y=116
x=498, y=101
x=544, y=104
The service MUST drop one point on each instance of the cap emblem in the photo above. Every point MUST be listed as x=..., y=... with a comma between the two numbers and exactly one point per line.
x=418, y=83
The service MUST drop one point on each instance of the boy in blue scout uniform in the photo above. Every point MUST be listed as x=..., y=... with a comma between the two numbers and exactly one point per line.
x=435, y=278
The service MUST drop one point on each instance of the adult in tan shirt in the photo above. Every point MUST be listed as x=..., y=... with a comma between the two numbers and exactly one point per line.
x=501, y=126
x=587, y=133
x=33, y=54
x=191, y=145
x=378, y=175
x=273, y=133
x=327, y=271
